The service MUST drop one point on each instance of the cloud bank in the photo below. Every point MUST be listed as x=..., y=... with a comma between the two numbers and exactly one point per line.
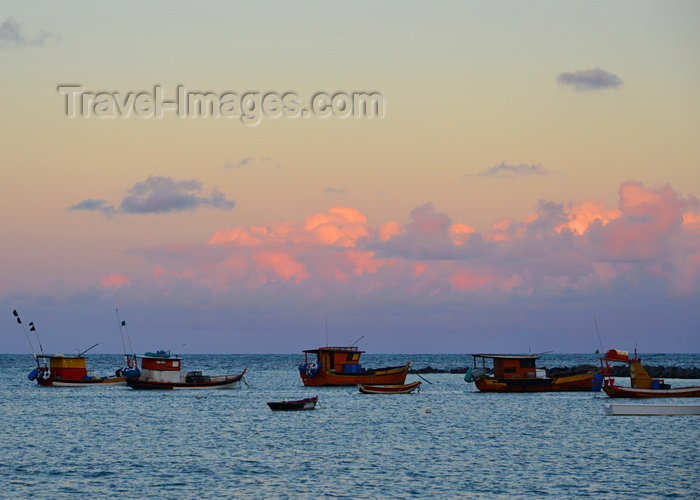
x=589, y=80
x=157, y=195
x=652, y=236
x=427, y=284
x=12, y=35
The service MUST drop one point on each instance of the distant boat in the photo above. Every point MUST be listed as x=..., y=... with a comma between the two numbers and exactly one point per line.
x=518, y=373
x=641, y=384
x=650, y=409
x=161, y=370
x=341, y=366
x=388, y=389
x=61, y=370
x=298, y=405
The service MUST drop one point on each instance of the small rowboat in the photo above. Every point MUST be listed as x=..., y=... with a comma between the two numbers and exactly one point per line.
x=388, y=389
x=298, y=405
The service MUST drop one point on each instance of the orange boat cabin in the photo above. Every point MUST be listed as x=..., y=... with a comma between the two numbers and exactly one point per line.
x=62, y=367
x=338, y=359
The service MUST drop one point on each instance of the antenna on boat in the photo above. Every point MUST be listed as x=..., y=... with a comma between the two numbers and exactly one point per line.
x=86, y=350
x=31, y=346
x=598, y=332
x=326, y=329
x=351, y=345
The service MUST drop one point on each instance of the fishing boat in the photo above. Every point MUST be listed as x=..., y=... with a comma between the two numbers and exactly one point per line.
x=388, y=389
x=337, y=366
x=641, y=384
x=298, y=405
x=161, y=370
x=650, y=409
x=519, y=373
x=61, y=370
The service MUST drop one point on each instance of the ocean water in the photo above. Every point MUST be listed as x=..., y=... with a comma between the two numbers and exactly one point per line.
x=445, y=442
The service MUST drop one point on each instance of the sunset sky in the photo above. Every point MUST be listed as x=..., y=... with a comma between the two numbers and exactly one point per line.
x=535, y=166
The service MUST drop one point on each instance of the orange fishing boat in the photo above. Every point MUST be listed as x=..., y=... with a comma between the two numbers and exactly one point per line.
x=518, y=373
x=641, y=384
x=341, y=366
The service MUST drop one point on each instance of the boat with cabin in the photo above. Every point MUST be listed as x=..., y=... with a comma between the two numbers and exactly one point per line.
x=388, y=389
x=641, y=384
x=162, y=370
x=298, y=405
x=61, y=370
x=519, y=373
x=338, y=366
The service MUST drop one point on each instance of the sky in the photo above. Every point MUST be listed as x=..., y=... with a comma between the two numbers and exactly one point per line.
x=524, y=177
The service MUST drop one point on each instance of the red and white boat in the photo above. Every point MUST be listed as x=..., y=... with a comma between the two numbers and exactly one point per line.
x=641, y=384
x=161, y=370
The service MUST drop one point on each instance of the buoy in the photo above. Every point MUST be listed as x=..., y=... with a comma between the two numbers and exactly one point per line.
x=428, y=411
x=198, y=396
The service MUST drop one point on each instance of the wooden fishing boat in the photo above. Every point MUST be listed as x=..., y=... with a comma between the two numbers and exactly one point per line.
x=650, y=409
x=62, y=370
x=641, y=384
x=298, y=405
x=161, y=370
x=388, y=389
x=518, y=373
x=339, y=366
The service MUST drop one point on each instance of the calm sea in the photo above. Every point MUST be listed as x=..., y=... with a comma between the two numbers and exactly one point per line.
x=445, y=442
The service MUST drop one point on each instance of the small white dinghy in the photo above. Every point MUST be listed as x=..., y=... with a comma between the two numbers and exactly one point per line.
x=651, y=409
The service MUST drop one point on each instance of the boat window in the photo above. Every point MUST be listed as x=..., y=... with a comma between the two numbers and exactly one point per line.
x=509, y=370
x=527, y=363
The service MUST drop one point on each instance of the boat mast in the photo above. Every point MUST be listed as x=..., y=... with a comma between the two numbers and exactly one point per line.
x=128, y=337
x=31, y=346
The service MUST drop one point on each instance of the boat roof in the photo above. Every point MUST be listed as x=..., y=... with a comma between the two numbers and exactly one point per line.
x=59, y=355
x=506, y=356
x=159, y=355
x=334, y=349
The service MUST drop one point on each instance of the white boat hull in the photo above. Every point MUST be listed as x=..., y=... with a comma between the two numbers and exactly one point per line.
x=651, y=409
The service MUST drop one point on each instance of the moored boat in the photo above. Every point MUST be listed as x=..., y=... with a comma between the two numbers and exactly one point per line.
x=641, y=384
x=650, y=409
x=519, y=373
x=61, y=370
x=388, y=389
x=337, y=366
x=162, y=370
x=298, y=405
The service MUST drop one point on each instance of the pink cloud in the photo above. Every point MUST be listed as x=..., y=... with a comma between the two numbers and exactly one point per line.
x=581, y=247
x=114, y=280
